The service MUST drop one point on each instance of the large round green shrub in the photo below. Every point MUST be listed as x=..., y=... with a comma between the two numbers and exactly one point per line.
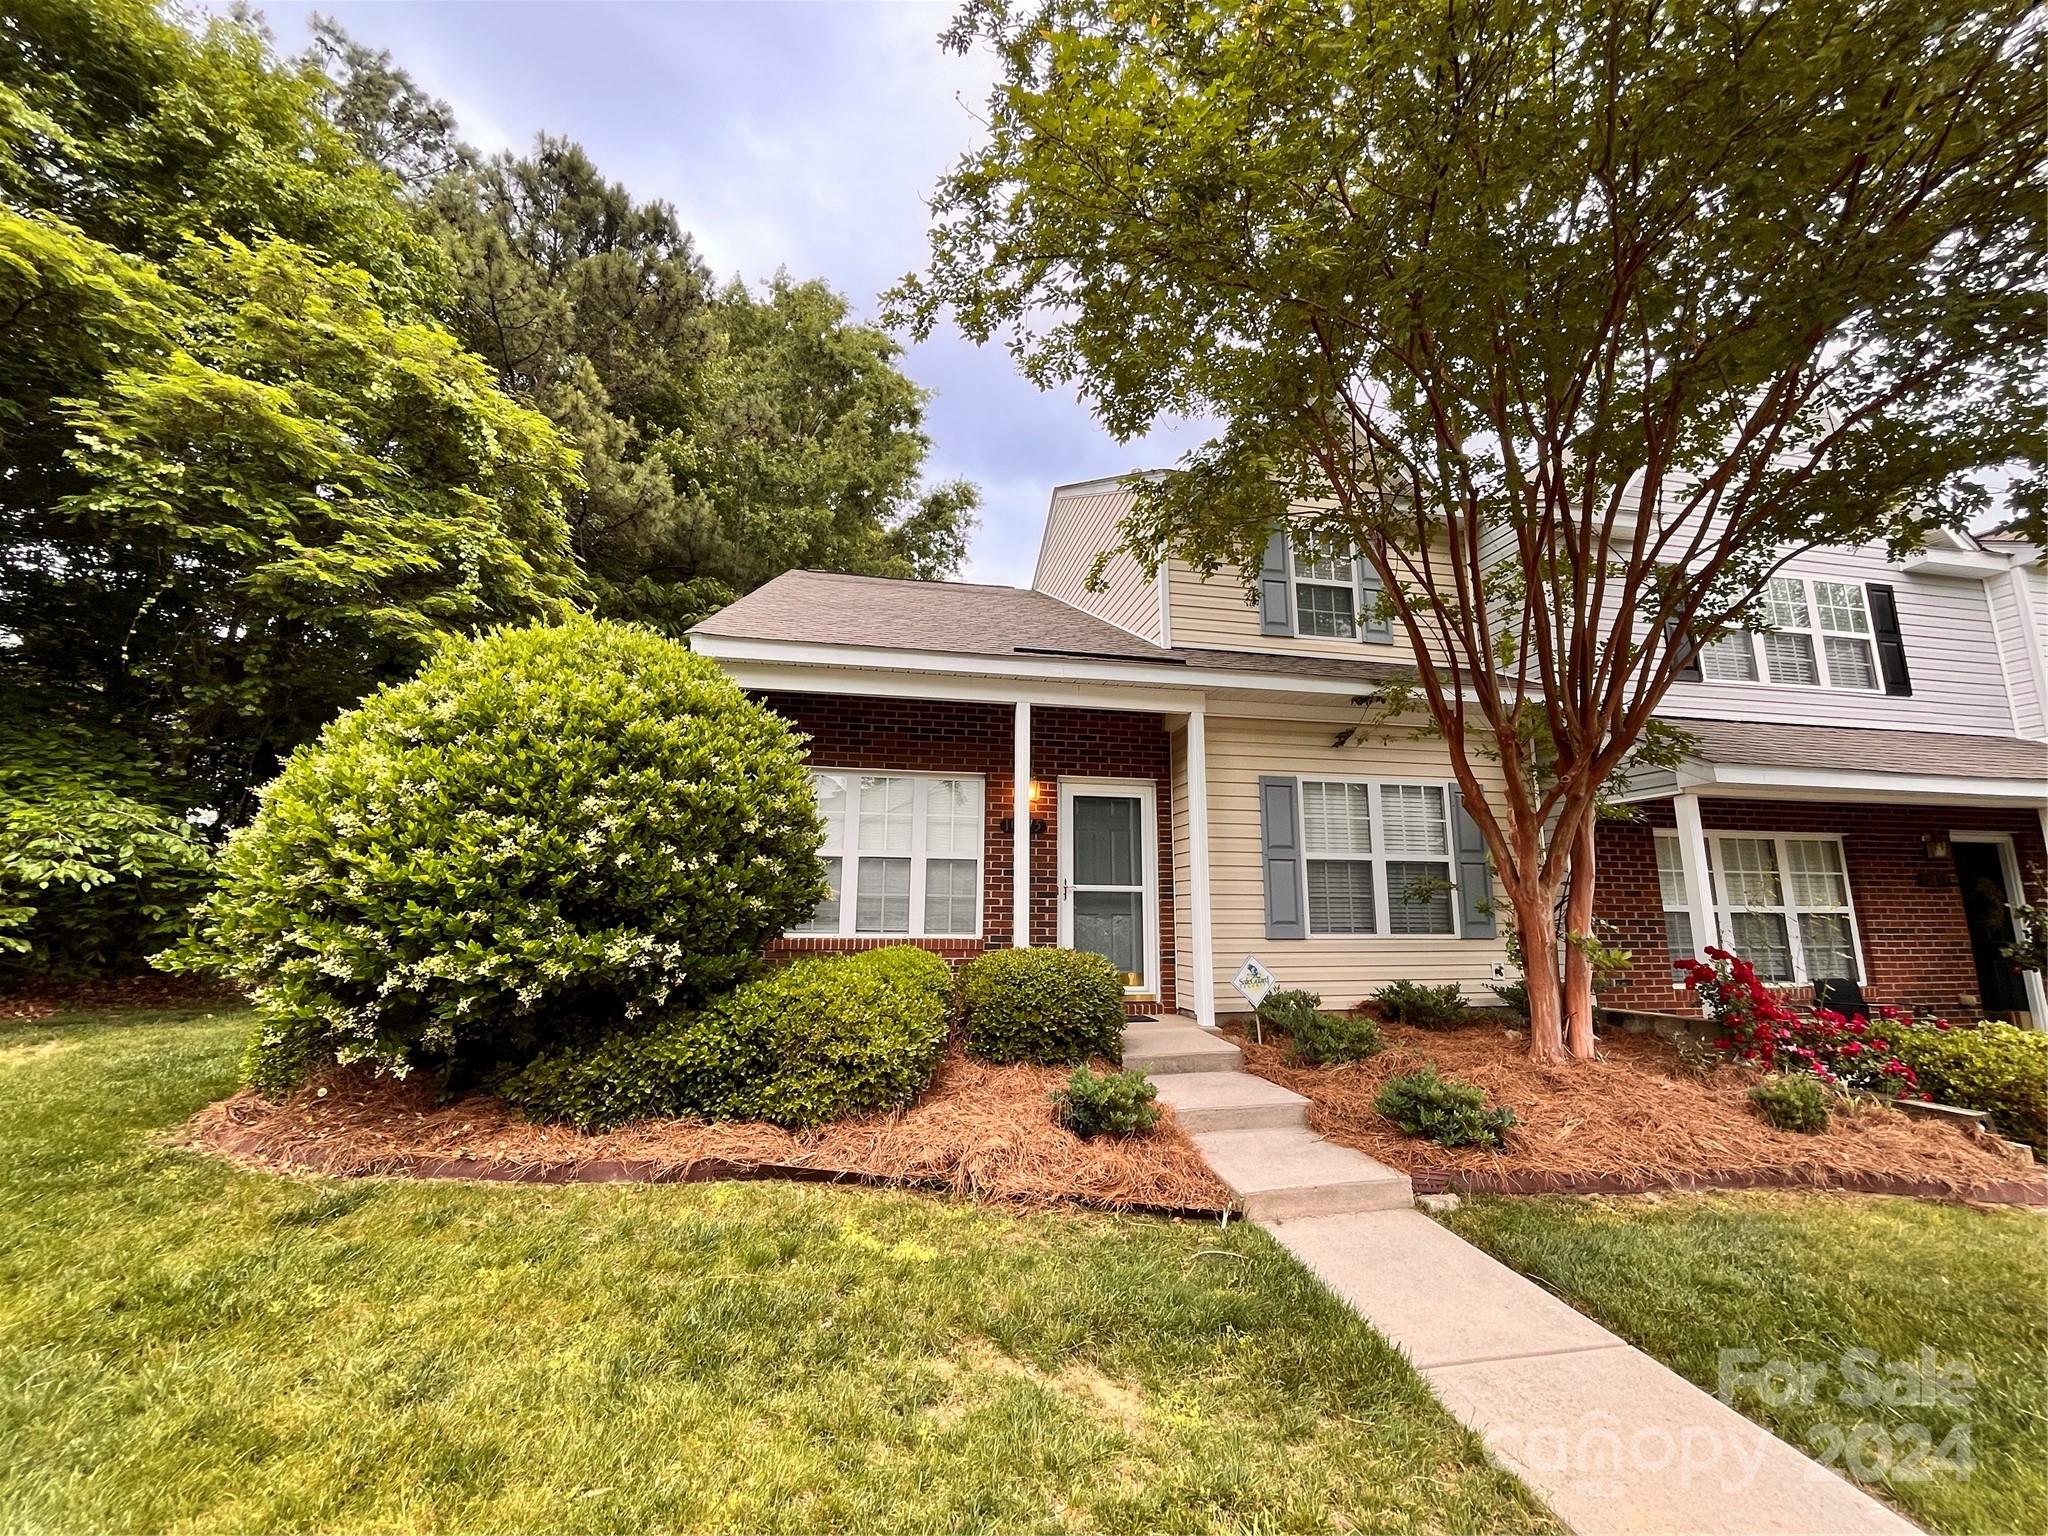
x=812, y=1041
x=1992, y=1066
x=545, y=834
x=1051, y=1007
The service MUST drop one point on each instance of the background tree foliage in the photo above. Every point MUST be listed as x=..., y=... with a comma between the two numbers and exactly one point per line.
x=726, y=435
x=1575, y=317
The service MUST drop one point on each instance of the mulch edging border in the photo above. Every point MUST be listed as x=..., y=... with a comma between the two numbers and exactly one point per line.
x=1463, y=1181
x=251, y=1148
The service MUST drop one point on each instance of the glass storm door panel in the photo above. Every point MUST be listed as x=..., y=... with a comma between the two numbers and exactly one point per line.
x=1106, y=889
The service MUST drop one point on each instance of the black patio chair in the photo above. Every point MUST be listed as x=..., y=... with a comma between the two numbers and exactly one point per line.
x=1841, y=994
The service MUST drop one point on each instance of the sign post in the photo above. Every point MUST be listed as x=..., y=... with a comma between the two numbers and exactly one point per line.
x=1254, y=984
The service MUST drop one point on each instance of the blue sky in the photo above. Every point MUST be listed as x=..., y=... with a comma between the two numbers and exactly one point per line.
x=801, y=134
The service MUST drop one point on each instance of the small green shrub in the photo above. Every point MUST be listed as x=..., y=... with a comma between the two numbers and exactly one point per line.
x=1410, y=1002
x=1442, y=1110
x=1514, y=996
x=1317, y=1039
x=1290, y=1008
x=814, y=1041
x=1999, y=1068
x=1107, y=1104
x=1792, y=1101
x=1049, y=1007
x=545, y=832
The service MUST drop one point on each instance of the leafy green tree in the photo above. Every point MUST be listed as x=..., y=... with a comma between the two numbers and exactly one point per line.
x=725, y=435
x=244, y=474
x=1576, y=319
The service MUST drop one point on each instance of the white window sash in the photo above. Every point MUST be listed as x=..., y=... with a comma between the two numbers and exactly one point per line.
x=846, y=848
x=1787, y=905
x=1379, y=858
x=1296, y=581
x=1817, y=634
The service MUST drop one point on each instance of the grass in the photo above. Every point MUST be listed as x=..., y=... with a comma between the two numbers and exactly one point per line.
x=185, y=1345
x=1807, y=1278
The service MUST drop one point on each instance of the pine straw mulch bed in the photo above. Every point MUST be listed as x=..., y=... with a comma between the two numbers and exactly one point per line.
x=979, y=1130
x=1631, y=1121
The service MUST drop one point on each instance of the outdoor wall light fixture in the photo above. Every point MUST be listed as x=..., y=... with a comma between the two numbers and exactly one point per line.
x=1936, y=845
x=1031, y=802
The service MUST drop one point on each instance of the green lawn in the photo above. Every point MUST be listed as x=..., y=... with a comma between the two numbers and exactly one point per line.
x=187, y=1346
x=1806, y=1278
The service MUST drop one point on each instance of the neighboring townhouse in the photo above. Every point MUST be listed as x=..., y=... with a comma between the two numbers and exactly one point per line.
x=1205, y=777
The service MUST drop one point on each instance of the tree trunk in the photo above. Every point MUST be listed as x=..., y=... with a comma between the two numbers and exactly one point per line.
x=1536, y=925
x=1578, y=969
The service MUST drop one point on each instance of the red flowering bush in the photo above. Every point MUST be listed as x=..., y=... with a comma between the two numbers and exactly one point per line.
x=1759, y=1026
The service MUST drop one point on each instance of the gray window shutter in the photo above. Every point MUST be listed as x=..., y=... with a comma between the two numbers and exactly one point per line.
x=1372, y=629
x=1280, y=832
x=1476, y=918
x=1689, y=669
x=1276, y=600
x=1891, y=645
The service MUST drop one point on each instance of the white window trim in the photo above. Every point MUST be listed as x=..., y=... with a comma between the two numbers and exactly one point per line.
x=1814, y=631
x=1379, y=858
x=1146, y=793
x=1725, y=910
x=1661, y=836
x=847, y=851
x=1296, y=581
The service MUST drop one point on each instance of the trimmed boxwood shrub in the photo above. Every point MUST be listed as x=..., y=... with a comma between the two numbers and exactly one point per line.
x=1050, y=1007
x=1107, y=1104
x=1999, y=1068
x=1792, y=1101
x=1442, y=1110
x=813, y=1041
x=1316, y=1038
x=547, y=832
x=1410, y=1002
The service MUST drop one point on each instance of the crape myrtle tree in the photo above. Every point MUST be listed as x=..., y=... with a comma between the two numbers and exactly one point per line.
x=1576, y=320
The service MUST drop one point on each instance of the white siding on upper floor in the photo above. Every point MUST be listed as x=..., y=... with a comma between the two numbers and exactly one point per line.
x=1952, y=654
x=2019, y=607
x=1080, y=525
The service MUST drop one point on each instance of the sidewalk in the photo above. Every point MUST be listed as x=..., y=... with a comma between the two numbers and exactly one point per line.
x=1613, y=1442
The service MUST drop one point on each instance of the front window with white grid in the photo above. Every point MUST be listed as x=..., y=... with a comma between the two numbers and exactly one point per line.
x=1325, y=595
x=902, y=854
x=1820, y=636
x=1784, y=905
x=1378, y=858
x=1678, y=942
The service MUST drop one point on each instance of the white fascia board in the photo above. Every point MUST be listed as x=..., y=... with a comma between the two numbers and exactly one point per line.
x=1020, y=671
x=856, y=682
x=1756, y=782
x=1972, y=564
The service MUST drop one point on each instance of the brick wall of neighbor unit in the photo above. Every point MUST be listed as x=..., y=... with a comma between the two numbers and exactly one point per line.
x=935, y=736
x=1909, y=908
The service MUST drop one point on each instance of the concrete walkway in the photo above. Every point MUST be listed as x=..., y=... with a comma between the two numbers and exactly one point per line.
x=1609, y=1439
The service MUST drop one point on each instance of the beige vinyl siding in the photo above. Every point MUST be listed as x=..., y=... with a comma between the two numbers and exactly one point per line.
x=1079, y=526
x=1219, y=614
x=1182, y=938
x=1344, y=970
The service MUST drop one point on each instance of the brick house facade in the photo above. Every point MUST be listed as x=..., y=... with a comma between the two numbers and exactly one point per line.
x=970, y=737
x=1908, y=902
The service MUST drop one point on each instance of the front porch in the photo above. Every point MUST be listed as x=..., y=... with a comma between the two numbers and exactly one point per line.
x=928, y=845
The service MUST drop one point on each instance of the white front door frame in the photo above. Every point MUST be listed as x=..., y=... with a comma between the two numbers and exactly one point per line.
x=2009, y=866
x=1146, y=793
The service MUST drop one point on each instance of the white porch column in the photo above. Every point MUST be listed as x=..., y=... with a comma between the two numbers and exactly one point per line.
x=1699, y=890
x=1020, y=818
x=1202, y=984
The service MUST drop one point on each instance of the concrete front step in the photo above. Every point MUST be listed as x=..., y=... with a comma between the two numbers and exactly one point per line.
x=1230, y=1101
x=1280, y=1175
x=1158, y=1047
